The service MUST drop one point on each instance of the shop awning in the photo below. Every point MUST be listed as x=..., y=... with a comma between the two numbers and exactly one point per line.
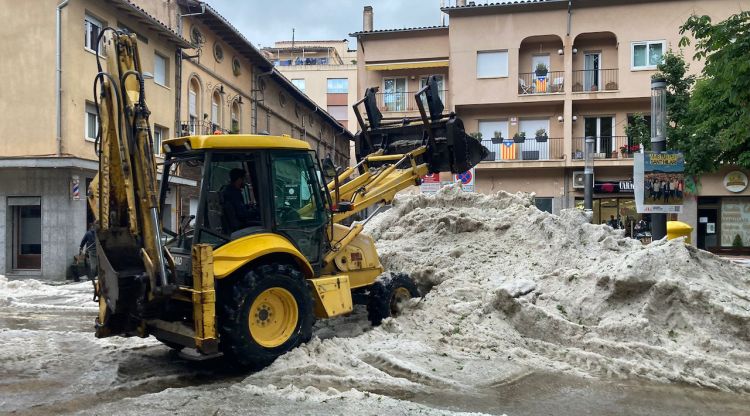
x=389, y=66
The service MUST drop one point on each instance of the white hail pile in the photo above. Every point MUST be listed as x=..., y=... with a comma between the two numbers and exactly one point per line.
x=516, y=290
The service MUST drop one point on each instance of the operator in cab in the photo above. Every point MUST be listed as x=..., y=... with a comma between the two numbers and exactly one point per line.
x=238, y=213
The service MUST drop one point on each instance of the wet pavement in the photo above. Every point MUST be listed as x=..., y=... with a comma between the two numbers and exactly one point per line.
x=51, y=364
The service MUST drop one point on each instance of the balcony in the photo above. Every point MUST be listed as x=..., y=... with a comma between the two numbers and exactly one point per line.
x=530, y=149
x=530, y=83
x=605, y=147
x=401, y=102
x=196, y=128
x=595, y=80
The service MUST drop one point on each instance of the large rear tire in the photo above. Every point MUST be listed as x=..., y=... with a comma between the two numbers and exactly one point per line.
x=387, y=295
x=263, y=314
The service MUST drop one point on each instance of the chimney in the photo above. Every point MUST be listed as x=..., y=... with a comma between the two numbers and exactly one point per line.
x=460, y=3
x=367, y=19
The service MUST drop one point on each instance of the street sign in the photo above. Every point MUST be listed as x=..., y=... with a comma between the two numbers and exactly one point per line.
x=467, y=180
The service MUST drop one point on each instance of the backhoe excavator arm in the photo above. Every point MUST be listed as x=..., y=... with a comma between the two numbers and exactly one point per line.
x=395, y=155
x=124, y=193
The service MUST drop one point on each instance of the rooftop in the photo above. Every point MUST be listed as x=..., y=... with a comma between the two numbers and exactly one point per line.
x=406, y=29
x=129, y=8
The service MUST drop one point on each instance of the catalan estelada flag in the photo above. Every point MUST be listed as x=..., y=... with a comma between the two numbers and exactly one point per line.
x=541, y=85
x=508, y=150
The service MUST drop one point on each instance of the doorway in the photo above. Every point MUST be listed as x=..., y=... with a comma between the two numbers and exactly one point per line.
x=26, y=229
x=592, y=71
x=708, y=230
x=539, y=59
x=601, y=128
x=394, y=94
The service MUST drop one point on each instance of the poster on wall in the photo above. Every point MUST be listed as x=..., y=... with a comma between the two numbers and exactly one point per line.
x=430, y=183
x=735, y=222
x=659, y=182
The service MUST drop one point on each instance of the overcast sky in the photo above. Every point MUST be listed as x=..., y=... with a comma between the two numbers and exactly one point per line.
x=266, y=21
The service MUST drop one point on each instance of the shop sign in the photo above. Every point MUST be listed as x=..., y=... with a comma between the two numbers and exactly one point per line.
x=609, y=187
x=430, y=183
x=659, y=182
x=735, y=181
x=75, y=188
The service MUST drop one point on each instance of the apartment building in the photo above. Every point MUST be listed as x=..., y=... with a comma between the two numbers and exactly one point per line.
x=325, y=70
x=572, y=69
x=205, y=78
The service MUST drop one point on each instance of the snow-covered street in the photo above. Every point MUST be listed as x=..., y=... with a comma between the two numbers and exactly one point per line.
x=525, y=313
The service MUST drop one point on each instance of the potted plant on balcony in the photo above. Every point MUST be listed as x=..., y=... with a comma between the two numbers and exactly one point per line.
x=541, y=136
x=541, y=70
x=497, y=138
x=519, y=137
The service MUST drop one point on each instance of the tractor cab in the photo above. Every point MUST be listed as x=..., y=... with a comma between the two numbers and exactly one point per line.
x=249, y=185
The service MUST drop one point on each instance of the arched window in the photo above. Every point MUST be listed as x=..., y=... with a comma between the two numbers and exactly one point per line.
x=215, y=107
x=235, y=115
x=193, y=105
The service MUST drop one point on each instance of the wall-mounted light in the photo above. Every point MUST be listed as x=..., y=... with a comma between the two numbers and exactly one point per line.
x=575, y=51
x=221, y=89
x=560, y=119
x=239, y=100
x=575, y=118
x=559, y=51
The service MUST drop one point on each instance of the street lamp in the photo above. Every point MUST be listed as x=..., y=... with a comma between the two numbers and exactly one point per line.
x=588, y=177
x=658, y=143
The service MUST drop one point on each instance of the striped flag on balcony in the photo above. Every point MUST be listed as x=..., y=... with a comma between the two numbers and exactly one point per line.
x=508, y=150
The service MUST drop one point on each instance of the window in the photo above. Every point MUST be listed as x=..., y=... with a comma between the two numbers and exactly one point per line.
x=299, y=83
x=395, y=96
x=193, y=106
x=339, y=112
x=218, y=52
x=215, y=105
x=235, y=116
x=646, y=54
x=160, y=70
x=492, y=64
x=236, y=67
x=298, y=207
x=91, y=123
x=92, y=27
x=543, y=204
x=338, y=86
x=160, y=133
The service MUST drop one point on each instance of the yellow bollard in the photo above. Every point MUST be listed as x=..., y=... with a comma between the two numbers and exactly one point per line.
x=678, y=229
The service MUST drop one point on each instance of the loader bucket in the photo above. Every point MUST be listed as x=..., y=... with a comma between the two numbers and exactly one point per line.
x=449, y=148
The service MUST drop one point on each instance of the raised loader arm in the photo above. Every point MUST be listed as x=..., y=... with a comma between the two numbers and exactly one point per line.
x=395, y=154
x=124, y=194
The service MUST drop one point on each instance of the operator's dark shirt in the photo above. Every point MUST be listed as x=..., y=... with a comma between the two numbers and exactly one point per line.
x=88, y=239
x=237, y=213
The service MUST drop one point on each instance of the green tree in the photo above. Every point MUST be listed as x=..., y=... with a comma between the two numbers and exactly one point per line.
x=715, y=126
x=639, y=131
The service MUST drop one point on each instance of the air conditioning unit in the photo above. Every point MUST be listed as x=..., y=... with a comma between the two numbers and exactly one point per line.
x=578, y=180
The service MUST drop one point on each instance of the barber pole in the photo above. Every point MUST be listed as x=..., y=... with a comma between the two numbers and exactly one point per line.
x=75, y=188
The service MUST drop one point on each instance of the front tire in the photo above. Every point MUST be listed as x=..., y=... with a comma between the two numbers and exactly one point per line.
x=387, y=295
x=263, y=314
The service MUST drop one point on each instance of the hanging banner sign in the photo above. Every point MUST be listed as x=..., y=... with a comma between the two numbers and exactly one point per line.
x=430, y=183
x=659, y=181
x=467, y=180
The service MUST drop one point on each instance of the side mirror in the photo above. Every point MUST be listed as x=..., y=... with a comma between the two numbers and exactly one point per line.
x=329, y=169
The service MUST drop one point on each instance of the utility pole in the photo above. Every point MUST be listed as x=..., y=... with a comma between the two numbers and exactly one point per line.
x=588, y=177
x=658, y=143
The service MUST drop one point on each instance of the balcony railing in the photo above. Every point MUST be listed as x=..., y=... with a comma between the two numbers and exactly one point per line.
x=301, y=61
x=530, y=149
x=530, y=83
x=401, y=101
x=594, y=80
x=605, y=147
x=194, y=128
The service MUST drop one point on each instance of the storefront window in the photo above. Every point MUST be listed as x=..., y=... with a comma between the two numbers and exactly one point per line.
x=618, y=213
x=735, y=222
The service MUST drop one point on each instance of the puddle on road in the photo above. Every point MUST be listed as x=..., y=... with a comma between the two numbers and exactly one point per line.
x=559, y=395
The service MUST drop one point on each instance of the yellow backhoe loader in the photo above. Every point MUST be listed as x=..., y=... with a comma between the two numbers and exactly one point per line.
x=267, y=253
